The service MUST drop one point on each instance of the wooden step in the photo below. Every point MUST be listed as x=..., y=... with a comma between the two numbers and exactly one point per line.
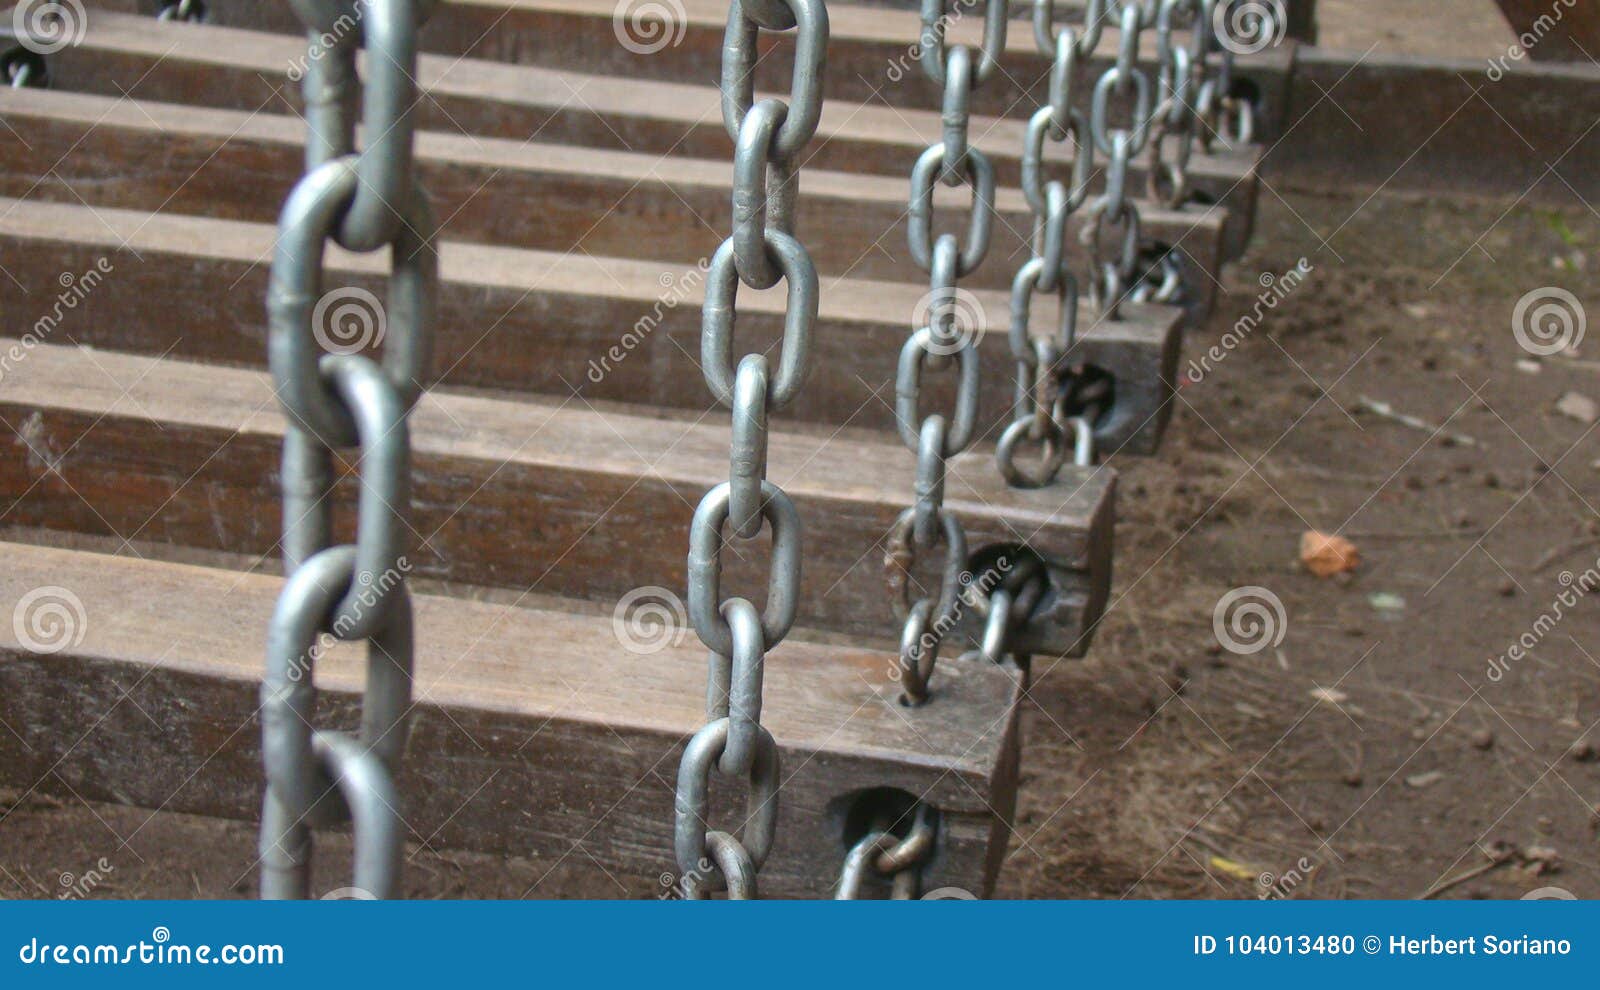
x=870, y=56
x=525, y=321
x=536, y=732
x=595, y=503
x=127, y=55
x=236, y=165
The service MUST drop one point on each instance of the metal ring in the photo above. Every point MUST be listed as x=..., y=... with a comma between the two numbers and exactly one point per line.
x=799, y=319
x=1099, y=109
x=901, y=555
x=1023, y=287
x=1045, y=33
x=751, y=166
x=378, y=213
x=919, y=652
x=1032, y=168
x=1005, y=455
x=739, y=56
x=908, y=392
x=295, y=292
x=929, y=485
x=288, y=689
x=705, y=568
x=385, y=467
x=748, y=454
x=919, y=216
x=1063, y=73
x=734, y=866
x=690, y=830
x=934, y=53
x=997, y=627
x=912, y=850
x=366, y=786
x=1050, y=237
x=955, y=113
x=857, y=861
x=742, y=706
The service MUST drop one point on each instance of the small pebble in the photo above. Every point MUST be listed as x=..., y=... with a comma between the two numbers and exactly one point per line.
x=1483, y=739
x=1491, y=480
x=1581, y=751
x=1352, y=778
x=1507, y=589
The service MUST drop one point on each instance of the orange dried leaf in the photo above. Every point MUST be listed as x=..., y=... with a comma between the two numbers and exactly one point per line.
x=1326, y=555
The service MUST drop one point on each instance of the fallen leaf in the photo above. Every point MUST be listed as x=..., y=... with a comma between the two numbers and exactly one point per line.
x=1325, y=555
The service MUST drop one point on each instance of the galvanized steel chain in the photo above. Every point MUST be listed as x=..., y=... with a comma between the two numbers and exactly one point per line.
x=1040, y=359
x=941, y=344
x=366, y=200
x=768, y=136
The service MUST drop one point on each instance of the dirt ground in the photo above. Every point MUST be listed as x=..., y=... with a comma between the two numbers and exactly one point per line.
x=1390, y=744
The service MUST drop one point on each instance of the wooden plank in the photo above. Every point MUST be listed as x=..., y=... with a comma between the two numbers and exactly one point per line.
x=536, y=732
x=870, y=50
x=244, y=70
x=1554, y=30
x=118, y=445
x=224, y=163
x=524, y=321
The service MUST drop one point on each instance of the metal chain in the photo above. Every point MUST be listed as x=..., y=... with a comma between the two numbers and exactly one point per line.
x=188, y=11
x=768, y=136
x=885, y=854
x=1039, y=369
x=318, y=777
x=941, y=344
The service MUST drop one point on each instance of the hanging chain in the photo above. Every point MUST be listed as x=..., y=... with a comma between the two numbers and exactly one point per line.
x=762, y=250
x=936, y=438
x=365, y=200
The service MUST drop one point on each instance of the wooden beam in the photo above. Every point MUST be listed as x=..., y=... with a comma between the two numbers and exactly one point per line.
x=160, y=449
x=523, y=321
x=870, y=50
x=225, y=163
x=1555, y=30
x=536, y=732
x=228, y=68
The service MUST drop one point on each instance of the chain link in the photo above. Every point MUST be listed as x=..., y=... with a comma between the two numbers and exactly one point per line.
x=768, y=136
x=319, y=777
x=885, y=854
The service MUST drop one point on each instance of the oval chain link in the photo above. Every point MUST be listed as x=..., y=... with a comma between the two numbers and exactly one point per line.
x=762, y=250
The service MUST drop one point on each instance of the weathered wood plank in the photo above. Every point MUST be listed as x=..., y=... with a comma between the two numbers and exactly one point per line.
x=536, y=732
x=600, y=502
x=245, y=70
x=1554, y=30
x=235, y=165
x=523, y=321
x=871, y=58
